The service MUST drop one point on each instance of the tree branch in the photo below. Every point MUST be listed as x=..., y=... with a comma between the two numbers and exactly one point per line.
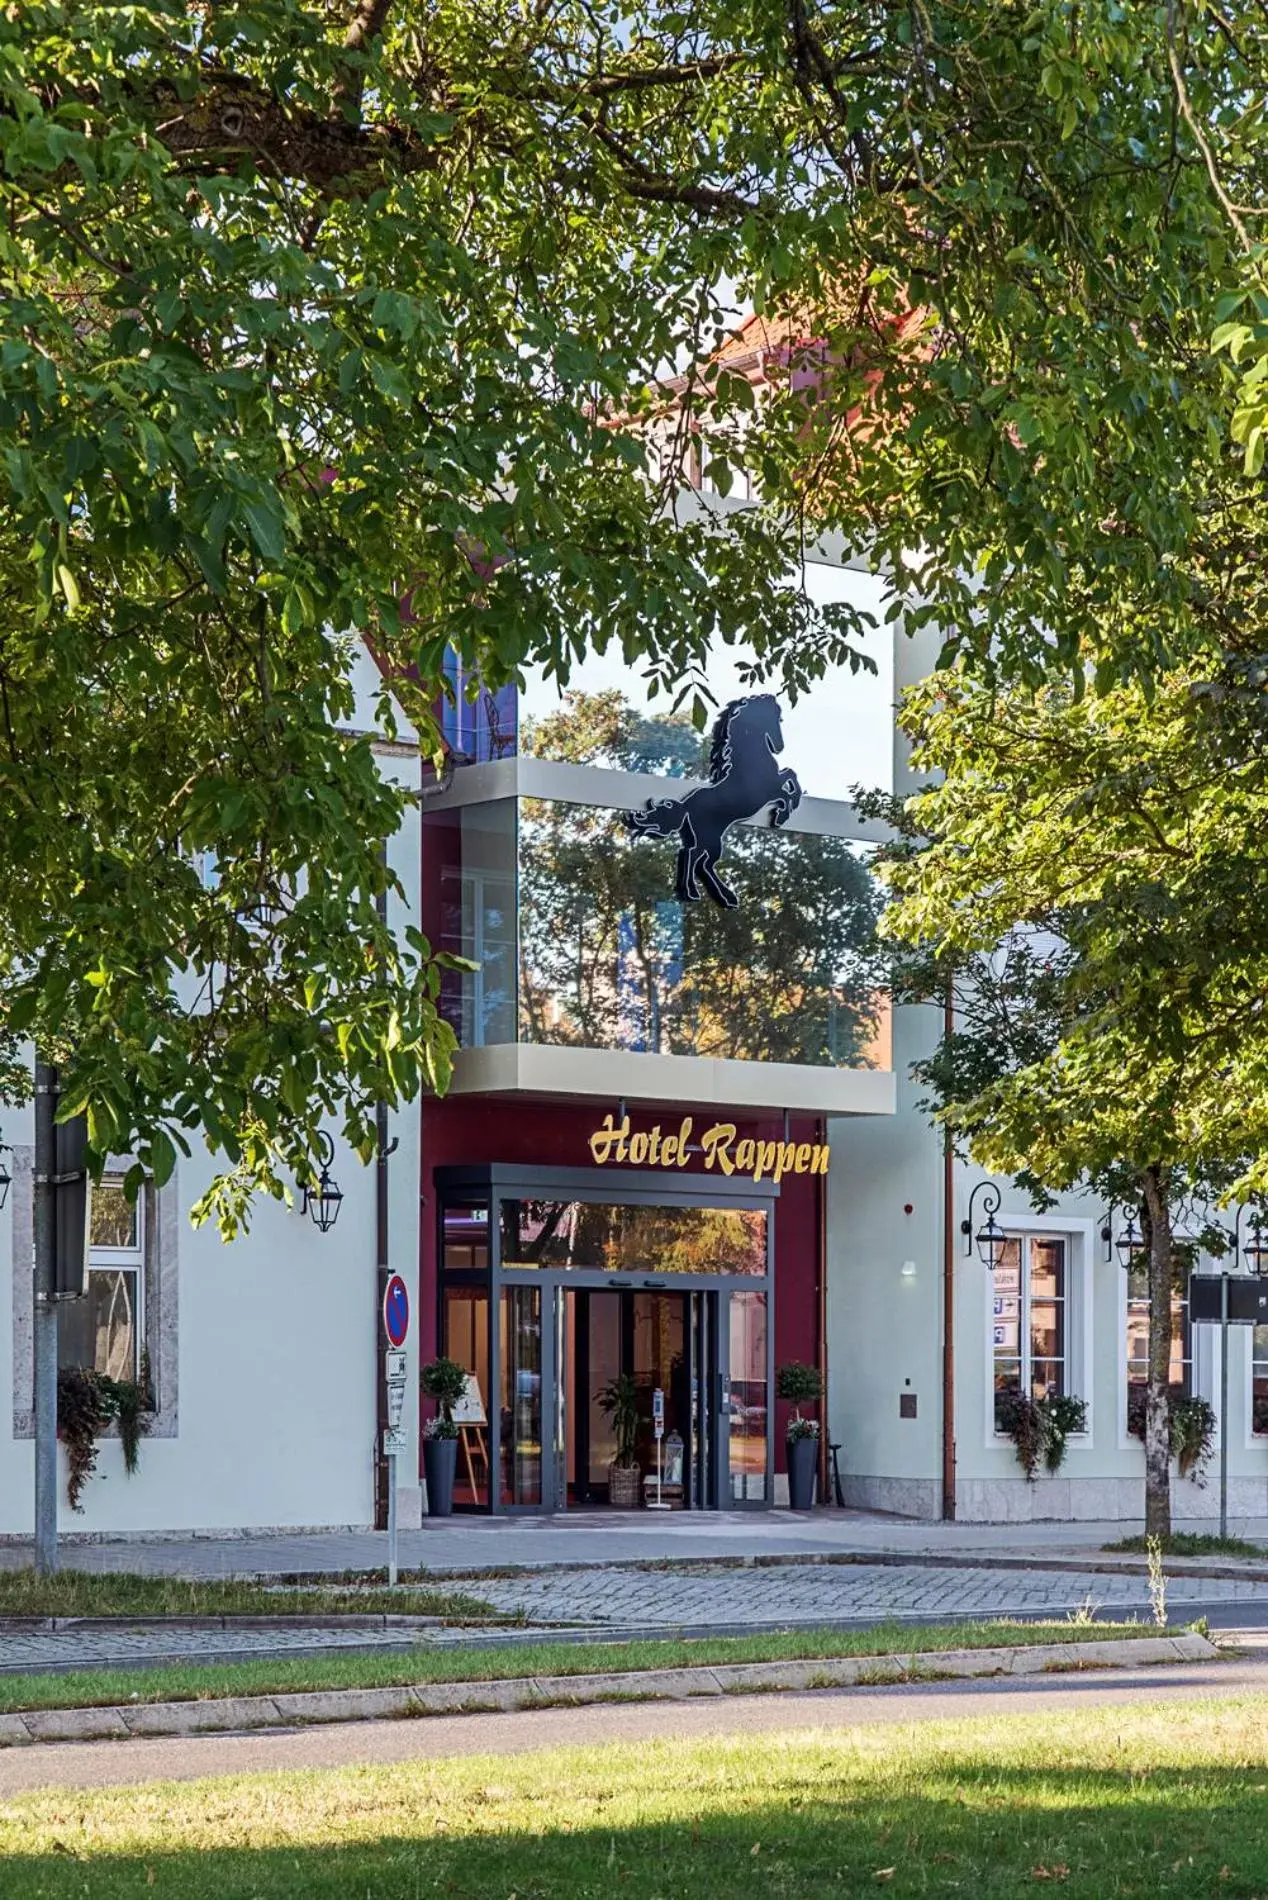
x=368, y=20
x=1231, y=211
x=234, y=118
x=642, y=182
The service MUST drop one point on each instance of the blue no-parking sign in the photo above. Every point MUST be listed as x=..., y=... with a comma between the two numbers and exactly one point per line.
x=396, y=1311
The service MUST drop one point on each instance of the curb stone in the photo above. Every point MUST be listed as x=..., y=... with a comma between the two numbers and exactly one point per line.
x=352, y=1620
x=1094, y=1563
x=526, y=1693
x=199, y=1718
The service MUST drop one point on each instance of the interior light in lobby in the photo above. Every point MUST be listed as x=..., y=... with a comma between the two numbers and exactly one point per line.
x=324, y=1201
x=990, y=1237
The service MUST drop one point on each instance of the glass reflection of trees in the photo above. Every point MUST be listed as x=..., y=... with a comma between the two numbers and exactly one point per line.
x=627, y=1238
x=609, y=959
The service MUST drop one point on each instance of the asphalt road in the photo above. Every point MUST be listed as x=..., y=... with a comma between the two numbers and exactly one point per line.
x=105, y=1764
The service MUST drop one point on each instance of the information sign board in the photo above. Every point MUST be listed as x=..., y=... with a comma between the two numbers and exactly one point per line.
x=469, y=1409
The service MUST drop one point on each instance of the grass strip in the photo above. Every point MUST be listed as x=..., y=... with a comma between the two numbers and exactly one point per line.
x=1157, y=1799
x=119, y=1593
x=190, y=1682
x=1191, y=1544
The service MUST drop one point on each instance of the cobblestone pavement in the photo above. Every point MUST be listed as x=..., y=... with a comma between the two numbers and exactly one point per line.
x=811, y=1593
x=96, y=1649
x=696, y=1598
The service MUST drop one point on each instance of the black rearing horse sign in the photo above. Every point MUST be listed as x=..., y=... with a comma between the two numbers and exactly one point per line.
x=744, y=776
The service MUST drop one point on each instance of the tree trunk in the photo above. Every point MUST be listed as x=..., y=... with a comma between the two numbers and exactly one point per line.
x=1156, y=1226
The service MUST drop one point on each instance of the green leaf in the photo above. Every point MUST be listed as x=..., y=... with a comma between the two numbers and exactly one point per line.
x=266, y=527
x=162, y=1155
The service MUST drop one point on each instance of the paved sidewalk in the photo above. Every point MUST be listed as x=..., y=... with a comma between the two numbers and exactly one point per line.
x=470, y=1543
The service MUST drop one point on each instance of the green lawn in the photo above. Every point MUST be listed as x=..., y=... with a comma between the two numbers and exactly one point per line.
x=190, y=1682
x=1146, y=1800
x=1192, y=1544
x=83, y=1593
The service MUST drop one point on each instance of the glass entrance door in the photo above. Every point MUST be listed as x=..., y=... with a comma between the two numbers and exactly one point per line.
x=748, y=1407
x=525, y=1380
x=702, y=1477
x=552, y=1290
x=623, y=1345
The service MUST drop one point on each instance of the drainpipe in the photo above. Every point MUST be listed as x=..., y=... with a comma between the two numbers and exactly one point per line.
x=821, y=1224
x=948, y=1300
x=381, y=1273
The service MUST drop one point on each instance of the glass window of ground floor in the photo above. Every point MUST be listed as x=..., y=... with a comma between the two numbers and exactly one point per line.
x=619, y=1350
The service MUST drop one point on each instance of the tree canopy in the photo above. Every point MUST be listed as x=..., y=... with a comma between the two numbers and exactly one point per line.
x=352, y=319
x=314, y=320
x=1079, y=879
x=1106, y=851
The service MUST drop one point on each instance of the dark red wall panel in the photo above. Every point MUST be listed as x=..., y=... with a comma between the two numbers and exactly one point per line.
x=467, y=1131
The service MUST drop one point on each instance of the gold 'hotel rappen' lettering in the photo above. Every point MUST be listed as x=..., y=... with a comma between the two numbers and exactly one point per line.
x=721, y=1150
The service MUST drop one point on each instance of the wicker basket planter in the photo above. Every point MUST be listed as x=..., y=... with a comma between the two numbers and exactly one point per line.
x=625, y=1486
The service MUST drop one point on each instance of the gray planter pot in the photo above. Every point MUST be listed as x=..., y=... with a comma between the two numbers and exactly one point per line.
x=440, y=1466
x=803, y=1465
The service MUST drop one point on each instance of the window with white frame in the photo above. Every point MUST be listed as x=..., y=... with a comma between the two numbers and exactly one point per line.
x=1180, y=1368
x=103, y=1331
x=1029, y=1325
x=1259, y=1381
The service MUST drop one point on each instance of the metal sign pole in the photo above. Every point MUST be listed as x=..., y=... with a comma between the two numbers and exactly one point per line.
x=395, y=1371
x=391, y=1521
x=44, y=1320
x=1223, y=1405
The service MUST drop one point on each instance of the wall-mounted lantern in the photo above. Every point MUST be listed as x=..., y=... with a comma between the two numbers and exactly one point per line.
x=990, y=1237
x=1254, y=1251
x=324, y=1201
x=1130, y=1244
x=6, y=1179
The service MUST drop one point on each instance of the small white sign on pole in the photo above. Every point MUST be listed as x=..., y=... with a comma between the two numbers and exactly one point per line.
x=397, y=1381
x=393, y=1443
x=658, y=1429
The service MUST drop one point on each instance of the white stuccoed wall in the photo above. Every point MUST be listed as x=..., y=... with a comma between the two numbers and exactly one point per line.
x=275, y=1340
x=886, y=1329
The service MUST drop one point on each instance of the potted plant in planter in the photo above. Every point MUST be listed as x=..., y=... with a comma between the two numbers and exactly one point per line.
x=1039, y=1428
x=445, y=1381
x=1194, y=1429
x=801, y=1385
x=618, y=1399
